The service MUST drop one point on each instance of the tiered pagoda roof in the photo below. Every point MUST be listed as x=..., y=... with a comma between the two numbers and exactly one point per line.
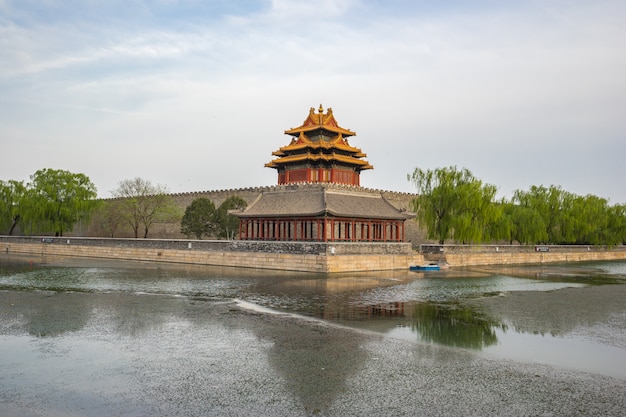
x=319, y=144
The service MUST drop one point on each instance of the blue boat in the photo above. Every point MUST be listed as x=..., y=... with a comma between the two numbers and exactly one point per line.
x=430, y=267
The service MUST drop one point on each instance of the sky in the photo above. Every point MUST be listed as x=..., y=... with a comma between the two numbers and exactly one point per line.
x=196, y=95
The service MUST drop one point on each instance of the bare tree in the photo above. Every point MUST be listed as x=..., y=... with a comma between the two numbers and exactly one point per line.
x=143, y=203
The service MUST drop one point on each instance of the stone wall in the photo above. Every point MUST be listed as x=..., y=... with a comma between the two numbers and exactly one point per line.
x=302, y=256
x=470, y=255
x=402, y=201
x=289, y=256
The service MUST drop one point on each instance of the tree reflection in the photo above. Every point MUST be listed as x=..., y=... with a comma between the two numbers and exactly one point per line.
x=454, y=325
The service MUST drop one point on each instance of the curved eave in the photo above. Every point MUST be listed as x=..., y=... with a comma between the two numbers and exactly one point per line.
x=277, y=216
x=400, y=216
x=319, y=158
x=322, y=213
x=318, y=145
x=304, y=129
x=327, y=213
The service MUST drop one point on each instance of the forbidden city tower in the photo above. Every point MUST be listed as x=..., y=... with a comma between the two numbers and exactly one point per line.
x=319, y=152
x=319, y=196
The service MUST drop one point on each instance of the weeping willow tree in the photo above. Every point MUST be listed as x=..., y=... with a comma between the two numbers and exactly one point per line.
x=11, y=199
x=453, y=204
x=553, y=215
x=55, y=200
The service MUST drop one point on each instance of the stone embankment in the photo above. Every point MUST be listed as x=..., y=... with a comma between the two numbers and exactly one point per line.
x=322, y=257
x=289, y=256
x=470, y=255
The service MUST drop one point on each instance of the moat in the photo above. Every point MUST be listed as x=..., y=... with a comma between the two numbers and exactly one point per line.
x=88, y=337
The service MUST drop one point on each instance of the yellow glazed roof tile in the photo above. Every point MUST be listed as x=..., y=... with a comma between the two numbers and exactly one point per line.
x=319, y=147
x=319, y=157
x=319, y=120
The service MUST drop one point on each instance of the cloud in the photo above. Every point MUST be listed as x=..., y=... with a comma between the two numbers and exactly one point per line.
x=304, y=9
x=496, y=88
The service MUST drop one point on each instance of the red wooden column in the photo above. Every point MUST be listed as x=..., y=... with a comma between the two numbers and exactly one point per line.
x=319, y=229
x=326, y=229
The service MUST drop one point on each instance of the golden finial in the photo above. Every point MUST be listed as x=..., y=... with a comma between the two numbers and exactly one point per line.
x=321, y=109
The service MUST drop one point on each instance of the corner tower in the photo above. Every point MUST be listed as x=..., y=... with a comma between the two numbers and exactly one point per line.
x=319, y=152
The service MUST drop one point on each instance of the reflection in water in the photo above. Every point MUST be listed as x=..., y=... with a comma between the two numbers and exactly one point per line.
x=454, y=325
x=162, y=334
x=472, y=309
x=315, y=362
x=451, y=324
x=49, y=316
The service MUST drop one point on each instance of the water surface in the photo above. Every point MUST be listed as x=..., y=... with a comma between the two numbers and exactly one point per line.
x=441, y=308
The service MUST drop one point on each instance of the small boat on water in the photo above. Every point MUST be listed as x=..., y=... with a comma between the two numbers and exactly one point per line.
x=429, y=267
